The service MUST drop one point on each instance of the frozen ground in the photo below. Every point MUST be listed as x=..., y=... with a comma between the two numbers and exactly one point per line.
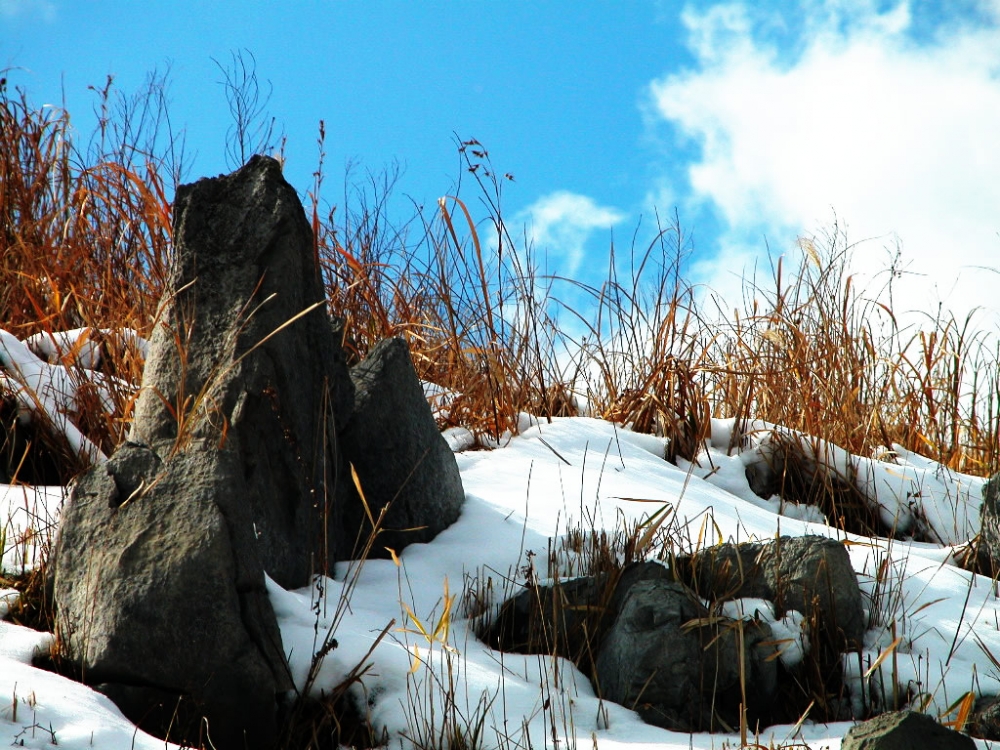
x=518, y=498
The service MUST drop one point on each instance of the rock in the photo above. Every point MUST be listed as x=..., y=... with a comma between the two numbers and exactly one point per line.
x=988, y=547
x=24, y=452
x=810, y=574
x=402, y=461
x=166, y=591
x=632, y=574
x=556, y=619
x=679, y=668
x=568, y=618
x=904, y=730
x=233, y=469
x=660, y=651
x=245, y=267
x=985, y=721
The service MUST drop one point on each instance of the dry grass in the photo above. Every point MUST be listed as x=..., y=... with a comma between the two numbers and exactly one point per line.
x=455, y=289
x=83, y=244
x=86, y=239
x=821, y=356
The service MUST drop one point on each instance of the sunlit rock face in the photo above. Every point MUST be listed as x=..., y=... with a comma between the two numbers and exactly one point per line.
x=232, y=470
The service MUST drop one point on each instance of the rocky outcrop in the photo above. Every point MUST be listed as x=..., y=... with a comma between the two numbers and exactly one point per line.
x=235, y=468
x=648, y=640
x=568, y=618
x=164, y=590
x=232, y=470
x=223, y=375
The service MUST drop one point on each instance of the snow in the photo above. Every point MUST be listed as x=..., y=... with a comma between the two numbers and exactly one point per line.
x=82, y=345
x=403, y=627
x=27, y=514
x=42, y=389
x=789, y=632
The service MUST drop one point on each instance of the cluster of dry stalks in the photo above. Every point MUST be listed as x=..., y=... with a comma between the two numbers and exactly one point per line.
x=86, y=243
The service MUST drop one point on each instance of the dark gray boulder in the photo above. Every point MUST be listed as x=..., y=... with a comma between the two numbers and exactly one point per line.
x=814, y=575
x=568, y=618
x=810, y=574
x=402, y=461
x=166, y=591
x=904, y=730
x=233, y=469
x=677, y=667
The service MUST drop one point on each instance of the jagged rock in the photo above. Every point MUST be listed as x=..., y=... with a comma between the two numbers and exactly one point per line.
x=679, y=668
x=401, y=459
x=245, y=267
x=165, y=590
x=233, y=468
x=236, y=466
x=904, y=730
x=810, y=574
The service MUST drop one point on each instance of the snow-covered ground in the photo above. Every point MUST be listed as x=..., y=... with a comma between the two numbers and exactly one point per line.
x=520, y=497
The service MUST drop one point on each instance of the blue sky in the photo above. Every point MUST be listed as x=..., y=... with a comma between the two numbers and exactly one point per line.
x=758, y=122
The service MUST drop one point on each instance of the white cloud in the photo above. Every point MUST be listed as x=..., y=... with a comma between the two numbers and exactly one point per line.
x=559, y=224
x=897, y=137
x=44, y=9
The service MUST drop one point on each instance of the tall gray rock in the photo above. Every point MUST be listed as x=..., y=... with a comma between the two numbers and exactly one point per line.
x=233, y=469
x=245, y=267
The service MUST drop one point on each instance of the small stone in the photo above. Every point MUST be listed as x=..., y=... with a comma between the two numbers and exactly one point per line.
x=904, y=730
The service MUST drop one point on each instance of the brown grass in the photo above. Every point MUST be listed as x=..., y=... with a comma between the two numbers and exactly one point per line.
x=86, y=239
x=82, y=245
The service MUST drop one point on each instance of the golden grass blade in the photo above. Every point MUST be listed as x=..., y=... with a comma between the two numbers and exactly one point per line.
x=444, y=622
x=361, y=494
x=964, y=706
x=416, y=622
x=652, y=526
x=886, y=653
